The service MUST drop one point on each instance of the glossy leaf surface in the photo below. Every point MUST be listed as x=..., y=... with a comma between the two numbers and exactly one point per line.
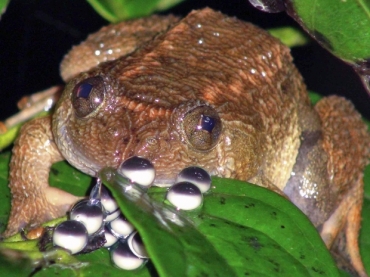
x=340, y=26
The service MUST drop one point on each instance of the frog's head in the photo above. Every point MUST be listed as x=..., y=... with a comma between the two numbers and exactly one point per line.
x=101, y=121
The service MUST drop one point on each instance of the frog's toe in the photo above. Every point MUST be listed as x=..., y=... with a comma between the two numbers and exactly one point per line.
x=346, y=244
x=29, y=212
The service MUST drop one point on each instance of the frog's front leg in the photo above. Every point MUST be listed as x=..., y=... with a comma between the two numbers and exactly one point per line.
x=33, y=200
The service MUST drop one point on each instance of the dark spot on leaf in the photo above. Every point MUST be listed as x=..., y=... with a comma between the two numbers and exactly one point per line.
x=212, y=225
x=222, y=201
x=54, y=171
x=246, y=273
x=274, y=262
x=250, y=205
x=282, y=227
x=324, y=41
x=206, y=261
x=274, y=215
x=302, y=257
x=317, y=270
x=254, y=243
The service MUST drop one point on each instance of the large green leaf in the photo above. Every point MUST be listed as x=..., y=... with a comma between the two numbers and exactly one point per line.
x=243, y=228
x=341, y=26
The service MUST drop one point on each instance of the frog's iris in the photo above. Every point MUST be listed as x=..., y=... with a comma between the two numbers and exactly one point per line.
x=88, y=95
x=202, y=127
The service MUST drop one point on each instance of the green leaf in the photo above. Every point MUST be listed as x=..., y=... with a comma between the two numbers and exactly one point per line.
x=96, y=263
x=340, y=26
x=14, y=263
x=118, y=10
x=8, y=137
x=61, y=176
x=290, y=36
x=314, y=97
x=243, y=229
x=4, y=190
x=275, y=216
x=3, y=5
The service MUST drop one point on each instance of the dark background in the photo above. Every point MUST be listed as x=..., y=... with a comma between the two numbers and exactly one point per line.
x=35, y=34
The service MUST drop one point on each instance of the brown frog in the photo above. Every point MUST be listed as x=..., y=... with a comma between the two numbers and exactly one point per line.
x=207, y=90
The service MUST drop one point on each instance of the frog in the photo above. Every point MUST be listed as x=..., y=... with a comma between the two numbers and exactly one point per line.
x=205, y=90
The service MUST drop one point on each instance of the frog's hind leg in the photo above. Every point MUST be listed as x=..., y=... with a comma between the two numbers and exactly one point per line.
x=347, y=143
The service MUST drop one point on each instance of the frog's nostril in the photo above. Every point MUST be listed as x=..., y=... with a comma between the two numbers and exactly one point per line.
x=88, y=95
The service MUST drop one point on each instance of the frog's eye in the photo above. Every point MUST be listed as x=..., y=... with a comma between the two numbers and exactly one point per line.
x=202, y=127
x=88, y=95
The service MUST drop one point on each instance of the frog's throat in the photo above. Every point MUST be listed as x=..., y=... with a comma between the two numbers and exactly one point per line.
x=76, y=157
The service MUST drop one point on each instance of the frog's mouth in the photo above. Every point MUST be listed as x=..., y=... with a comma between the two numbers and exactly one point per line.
x=164, y=182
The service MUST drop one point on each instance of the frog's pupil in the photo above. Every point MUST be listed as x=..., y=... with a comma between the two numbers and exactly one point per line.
x=207, y=123
x=84, y=90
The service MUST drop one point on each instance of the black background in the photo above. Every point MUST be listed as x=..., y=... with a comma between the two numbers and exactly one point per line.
x=35, y=34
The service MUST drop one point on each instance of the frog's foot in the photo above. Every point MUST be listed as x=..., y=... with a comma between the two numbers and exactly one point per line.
x=37, y=208
x=347, y=144
x=340, y=232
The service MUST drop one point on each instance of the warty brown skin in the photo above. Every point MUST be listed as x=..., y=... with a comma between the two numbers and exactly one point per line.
x=149, y=101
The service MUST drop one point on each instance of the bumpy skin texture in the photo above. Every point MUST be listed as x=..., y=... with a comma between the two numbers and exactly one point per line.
x=208, y=90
